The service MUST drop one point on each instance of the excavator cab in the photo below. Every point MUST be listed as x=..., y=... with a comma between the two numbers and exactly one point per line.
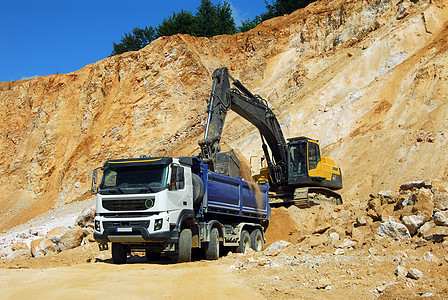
x=308, y=168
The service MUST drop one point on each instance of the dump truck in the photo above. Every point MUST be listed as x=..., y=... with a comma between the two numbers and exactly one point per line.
x=174, y=205
x=296, y=171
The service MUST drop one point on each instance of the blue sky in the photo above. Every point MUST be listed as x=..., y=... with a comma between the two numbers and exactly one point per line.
x=42, y=37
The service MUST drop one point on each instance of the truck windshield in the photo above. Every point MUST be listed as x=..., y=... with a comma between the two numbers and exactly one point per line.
x=131, y=180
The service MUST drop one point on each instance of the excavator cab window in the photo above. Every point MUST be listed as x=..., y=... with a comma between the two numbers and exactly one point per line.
x=297, y=159
x=313, y=155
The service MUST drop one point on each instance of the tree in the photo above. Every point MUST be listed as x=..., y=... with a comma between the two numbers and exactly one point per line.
x=135, y=40
x=214, y=19
x=277, y=8
x=282, y=7
x=248, y=24
x=183, y=22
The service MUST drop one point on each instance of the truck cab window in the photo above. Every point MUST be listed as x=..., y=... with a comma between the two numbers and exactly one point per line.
x=313, y=155
x=177, y=178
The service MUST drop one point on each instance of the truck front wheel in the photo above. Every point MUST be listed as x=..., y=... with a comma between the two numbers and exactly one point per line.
x=184, y=245
x=212, y=249
x=257, y=240
x=244, y=242
x=119, y=253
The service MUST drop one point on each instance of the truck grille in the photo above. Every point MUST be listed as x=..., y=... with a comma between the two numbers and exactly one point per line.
x=114, y=224
x=125, y=205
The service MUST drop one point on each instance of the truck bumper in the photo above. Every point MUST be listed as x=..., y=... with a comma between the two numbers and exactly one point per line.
x=135, y=235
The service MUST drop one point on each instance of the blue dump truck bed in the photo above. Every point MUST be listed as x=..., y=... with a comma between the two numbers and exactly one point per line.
x=234, y=197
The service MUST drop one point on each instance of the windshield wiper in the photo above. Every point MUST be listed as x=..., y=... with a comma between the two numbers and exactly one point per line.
x=147, y=188
x=115, y=189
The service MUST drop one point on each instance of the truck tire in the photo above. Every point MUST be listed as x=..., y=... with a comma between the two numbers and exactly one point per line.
x=184, y=245
x=212, y=249
x=257, y=240
x=244, y=242
x=119, y=253
x=198, y=189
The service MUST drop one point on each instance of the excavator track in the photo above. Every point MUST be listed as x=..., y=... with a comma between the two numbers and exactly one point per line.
x=308, y=197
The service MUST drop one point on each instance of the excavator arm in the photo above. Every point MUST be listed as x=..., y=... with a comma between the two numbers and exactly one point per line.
x=252, y=108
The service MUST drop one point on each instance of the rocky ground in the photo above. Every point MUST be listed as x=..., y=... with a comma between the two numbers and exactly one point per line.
x=393, y=245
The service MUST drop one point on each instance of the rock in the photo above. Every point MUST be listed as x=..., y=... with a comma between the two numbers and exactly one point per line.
x=386, y=197
x=20, y=253
x=278, y=245
x=436, y=234
x=20, y=246
x=56, y=234
x=339, y=251
x=423, y=230
x=441, y=218
x=387, y=212
x=324, y=283
x=317, y=240
x=372, y=214
x=361, y=221
x=416, y=185
x=429, y=257
x=89, y=239
x=87, y=231
x=42, y=247
x=394, y=230
x=71, y=239
x=321, y=228
x=334, y=237
x=414, y=274
x=400, y=271
x=385, y=193
x=346, y=243
x=413, y=222
x=425, y=203
x=86, y=217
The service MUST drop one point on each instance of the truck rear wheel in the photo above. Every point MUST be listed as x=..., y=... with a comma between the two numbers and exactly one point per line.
x=257, y=240
x=184, y=245
x=119, y=253
x=212, y=249
x=244, y=242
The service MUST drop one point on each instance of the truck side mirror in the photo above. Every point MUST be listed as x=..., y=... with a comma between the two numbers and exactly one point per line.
x=94, y=188
x=95, y=176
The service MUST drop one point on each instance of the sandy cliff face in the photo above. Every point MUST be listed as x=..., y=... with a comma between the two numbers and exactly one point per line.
x=366, y=78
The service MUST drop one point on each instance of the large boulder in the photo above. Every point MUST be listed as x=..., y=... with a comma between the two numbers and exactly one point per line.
x=71, y=239
x=42, y=247
x=56, y=234
x=86, y=218
x=413, y=222
x=394, y=230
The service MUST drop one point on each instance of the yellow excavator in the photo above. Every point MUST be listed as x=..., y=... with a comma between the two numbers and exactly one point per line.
x=295, y=170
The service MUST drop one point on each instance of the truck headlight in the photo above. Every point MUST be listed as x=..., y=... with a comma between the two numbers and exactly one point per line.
x=158, y=224
x=97, y=225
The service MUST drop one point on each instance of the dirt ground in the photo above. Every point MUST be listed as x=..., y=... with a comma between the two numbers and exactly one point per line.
x=302, y=266
x=50, y=278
